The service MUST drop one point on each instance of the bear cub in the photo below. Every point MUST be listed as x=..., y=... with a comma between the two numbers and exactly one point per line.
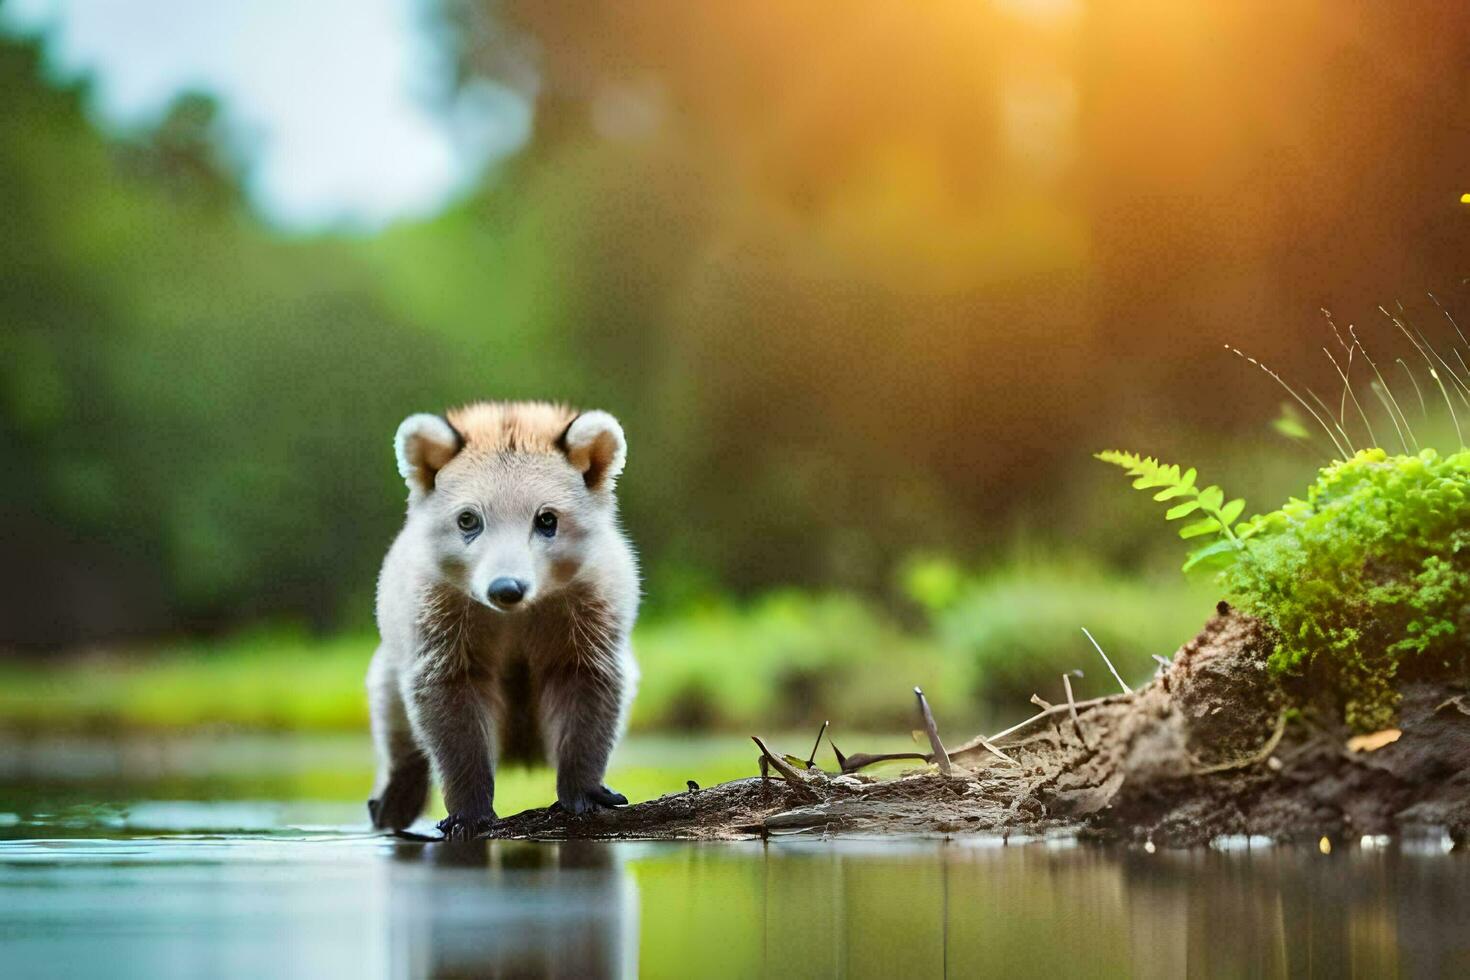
x=504, y=608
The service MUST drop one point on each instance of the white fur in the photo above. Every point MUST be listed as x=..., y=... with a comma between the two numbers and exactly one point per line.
x=423, y=444
x=436, y=684
x=597, y=448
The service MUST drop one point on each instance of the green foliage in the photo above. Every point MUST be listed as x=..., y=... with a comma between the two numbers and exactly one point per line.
x=1289, y=424
x=1019, y=628
x=788, y=660
x=1223, y=543
x=202, y=409
x=1366, y=579
x=933, y=582
x=791, y=660
x=261, y=680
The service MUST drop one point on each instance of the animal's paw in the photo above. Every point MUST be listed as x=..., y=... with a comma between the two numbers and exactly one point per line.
x=395, y=810
x=579, y=802
x=458, y=826
x=402, y=798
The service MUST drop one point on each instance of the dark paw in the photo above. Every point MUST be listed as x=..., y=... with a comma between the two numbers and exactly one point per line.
x=585, y=801
x=609, y=797
x=402, y=800
x=461, y=827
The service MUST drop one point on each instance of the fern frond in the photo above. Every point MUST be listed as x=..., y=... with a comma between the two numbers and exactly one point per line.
x=1214, y=514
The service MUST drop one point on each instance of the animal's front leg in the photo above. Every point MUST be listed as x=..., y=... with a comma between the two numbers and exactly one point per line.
x=456, y=727
x=581, y=714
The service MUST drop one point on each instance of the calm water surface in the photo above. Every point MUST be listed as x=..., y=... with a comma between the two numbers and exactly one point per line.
x=97, y=877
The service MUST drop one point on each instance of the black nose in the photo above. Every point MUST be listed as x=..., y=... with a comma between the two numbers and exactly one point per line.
x=507, y=591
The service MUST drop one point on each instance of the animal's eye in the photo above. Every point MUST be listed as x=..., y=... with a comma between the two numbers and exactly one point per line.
x=468, y=521
x=546, y=523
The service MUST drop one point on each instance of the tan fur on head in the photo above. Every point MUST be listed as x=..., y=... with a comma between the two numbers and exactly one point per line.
x=526, y=427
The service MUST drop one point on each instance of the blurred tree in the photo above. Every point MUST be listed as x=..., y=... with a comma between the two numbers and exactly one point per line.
x=917, y=253
x=187, y=401
x=861, y=282
x=184, y=153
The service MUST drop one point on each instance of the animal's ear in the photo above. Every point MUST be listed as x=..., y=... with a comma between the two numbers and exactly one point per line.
x=595, y=447
x=423, y=445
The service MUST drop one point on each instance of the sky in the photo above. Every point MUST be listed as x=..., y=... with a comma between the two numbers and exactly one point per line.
x=337, y=103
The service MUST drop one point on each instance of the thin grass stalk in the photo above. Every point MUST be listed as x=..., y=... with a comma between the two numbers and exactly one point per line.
x=1386, y=395
x=1343, y=453
x=1340, y=430
x=1444, y=393
x=1423, y=408
x=1347, y=390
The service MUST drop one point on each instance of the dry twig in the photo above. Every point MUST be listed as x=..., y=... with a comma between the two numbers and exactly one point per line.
x=859, y=760
x=1098, y=647
x=1018, y=726
x=811, y=760
x=1261, y=755
x=941, y=757
x=793, y=778
x=1072, y=707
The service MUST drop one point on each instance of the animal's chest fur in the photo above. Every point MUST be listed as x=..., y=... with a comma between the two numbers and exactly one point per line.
x=519, y=720
x=500, y=655
x=508, y=657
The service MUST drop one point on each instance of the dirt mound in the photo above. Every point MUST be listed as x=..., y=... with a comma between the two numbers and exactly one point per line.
x=1205, y=749
x=1315, y=785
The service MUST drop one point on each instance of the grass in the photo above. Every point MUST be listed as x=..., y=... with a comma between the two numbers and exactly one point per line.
x=1020, y=628
x=979, y=645
x=264, y=680
x=792, y=660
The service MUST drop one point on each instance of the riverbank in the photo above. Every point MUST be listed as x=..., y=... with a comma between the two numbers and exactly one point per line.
x=1207, y=749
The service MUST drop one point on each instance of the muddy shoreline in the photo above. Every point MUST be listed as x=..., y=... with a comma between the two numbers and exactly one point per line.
x=1210, y=747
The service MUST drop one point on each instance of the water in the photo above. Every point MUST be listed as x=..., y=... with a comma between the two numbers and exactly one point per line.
x=101, y=875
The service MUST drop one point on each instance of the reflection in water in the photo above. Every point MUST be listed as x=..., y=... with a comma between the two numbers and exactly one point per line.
x=961, y=909
x=330, y=902
x=513, y=909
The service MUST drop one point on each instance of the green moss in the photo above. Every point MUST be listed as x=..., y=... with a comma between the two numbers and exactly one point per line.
x=1367, y=579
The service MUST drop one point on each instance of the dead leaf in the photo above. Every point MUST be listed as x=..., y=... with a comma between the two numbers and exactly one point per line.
x=1373, y=742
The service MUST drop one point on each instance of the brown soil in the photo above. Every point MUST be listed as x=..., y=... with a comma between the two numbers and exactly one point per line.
x=1205, y=749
